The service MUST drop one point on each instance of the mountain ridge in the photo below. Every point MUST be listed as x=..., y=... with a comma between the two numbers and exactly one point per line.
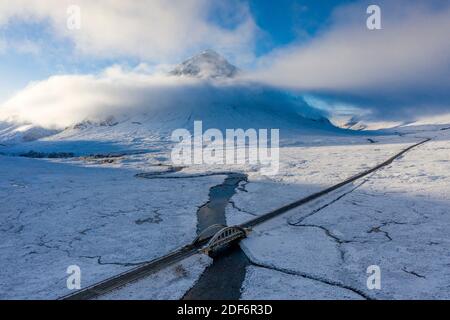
x=206, y=64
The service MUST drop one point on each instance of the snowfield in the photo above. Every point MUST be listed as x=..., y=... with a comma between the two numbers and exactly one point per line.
x=105, y=220
x=398, y=219
x=80, y=186
x=98, y=215
x=168, y=284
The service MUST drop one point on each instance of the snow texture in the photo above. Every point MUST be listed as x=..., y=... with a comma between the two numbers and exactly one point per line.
x=168, y=284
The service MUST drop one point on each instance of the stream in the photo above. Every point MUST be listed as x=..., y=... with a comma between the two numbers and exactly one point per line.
x=222, y=280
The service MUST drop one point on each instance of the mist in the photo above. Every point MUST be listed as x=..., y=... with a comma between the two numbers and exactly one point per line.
x=65, y=100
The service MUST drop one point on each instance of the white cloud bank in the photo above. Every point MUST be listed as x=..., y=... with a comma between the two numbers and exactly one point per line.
x=156, y=30
x=65, y=100
x=412, y=48
x=400, y=71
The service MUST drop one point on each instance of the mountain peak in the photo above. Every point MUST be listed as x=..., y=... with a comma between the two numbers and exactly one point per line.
x=207, y=64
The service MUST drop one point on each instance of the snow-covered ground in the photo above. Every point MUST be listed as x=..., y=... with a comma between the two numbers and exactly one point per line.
x=104, y=220
x=168, y=284
x=83, y=204
x=305, y=170
x=397, y=218
x=98, y=215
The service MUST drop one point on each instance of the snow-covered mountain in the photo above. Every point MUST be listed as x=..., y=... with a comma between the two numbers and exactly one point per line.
x=207, y=64
x=195, y=91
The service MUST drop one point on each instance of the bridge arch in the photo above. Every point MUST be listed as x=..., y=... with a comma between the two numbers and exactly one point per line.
x=225, y=236
x=208, y=232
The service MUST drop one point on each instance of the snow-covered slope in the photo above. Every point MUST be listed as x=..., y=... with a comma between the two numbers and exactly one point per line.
x=421, y=123
x=12, y=133
x=207, y=64
x=201, y=89
x=221, y=107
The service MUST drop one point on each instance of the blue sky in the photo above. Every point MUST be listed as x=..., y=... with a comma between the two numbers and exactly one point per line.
x=282, y=23
x=322, y=48
x=288, y=21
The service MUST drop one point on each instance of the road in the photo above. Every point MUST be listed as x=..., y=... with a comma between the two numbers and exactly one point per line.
x=153, y=266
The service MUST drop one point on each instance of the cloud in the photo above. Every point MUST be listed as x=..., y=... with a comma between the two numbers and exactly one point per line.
x=65, y=100
x=21, y=47
x=400, y=71
x=156, y=30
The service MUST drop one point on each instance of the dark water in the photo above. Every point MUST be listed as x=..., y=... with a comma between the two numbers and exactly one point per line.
x=223, y=279
x=213, y=212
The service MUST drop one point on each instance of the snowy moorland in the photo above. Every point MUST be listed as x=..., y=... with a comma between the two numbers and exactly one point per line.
x=96, y=214
x=99, y=190
x=397, y=219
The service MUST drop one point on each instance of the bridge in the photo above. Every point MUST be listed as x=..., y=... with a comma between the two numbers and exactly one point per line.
x=223, y=237
x=213, y=238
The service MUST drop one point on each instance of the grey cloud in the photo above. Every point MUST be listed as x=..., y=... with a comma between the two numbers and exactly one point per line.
x=401, y=71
